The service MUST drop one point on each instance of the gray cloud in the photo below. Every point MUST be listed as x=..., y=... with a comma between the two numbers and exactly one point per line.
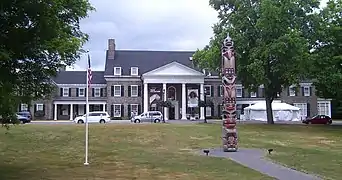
x=146, y=25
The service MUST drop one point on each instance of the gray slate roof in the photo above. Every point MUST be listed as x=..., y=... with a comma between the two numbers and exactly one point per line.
x=79, y=77
x=146, y=60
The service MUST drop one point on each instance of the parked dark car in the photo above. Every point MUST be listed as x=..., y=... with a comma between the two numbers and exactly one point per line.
x=23, y=119
x=318, y=119
x=25, y=114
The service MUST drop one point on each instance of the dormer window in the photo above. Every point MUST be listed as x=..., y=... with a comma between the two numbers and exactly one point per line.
x=134, y=71
x=117, y=71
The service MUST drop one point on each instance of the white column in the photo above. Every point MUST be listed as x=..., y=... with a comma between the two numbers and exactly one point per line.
x=71, y=111
x=55, y=112
x=103, y=107
x=145, y=97
x=166, y=114
x=202, y=99
x=184, y=101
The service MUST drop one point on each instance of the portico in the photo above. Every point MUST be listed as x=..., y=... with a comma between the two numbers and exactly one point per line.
x=68, y=109
x=172, y=82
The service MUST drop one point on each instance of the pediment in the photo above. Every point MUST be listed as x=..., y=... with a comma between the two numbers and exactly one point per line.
x=173, y=69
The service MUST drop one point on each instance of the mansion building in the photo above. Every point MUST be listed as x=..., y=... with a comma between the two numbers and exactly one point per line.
x=137, y=81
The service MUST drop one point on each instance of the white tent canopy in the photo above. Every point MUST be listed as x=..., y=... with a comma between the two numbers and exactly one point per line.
x=281, y=112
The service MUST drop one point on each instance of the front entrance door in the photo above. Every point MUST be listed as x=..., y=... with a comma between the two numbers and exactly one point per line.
x=171, y=113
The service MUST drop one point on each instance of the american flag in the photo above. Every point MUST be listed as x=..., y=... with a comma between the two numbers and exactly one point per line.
x=89, y=72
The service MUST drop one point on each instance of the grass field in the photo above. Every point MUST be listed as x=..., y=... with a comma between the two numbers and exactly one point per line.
x=160, y=151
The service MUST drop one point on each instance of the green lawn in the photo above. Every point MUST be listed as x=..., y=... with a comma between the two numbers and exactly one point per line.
x=314, y=148
x=144, y=152
x=160, y=151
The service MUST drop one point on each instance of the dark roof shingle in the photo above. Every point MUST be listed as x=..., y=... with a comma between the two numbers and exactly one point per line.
x=79, y=77
x=146, y=60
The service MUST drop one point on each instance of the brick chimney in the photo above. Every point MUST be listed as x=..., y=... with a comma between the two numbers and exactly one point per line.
x=111, y=48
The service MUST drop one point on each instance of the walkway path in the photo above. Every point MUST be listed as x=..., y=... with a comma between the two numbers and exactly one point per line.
x=255, y=159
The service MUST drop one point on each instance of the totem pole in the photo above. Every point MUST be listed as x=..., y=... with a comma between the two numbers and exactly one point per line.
x=229, y=132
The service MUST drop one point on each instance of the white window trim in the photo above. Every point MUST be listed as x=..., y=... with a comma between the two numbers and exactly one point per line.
x=253, y=94
x=38, y=107
x=308, y=93
x=207, y=110
x=117, y=95
x=238, y=95
x=137, y=105
x=99, y=91
x=79, y=92
x=134, y=95
x=292, y=93
x=208, y=93
x=327, y=108
x=304, y=111
x=114, y=110
x=24, y=105
x=117, y=74
x=65, y=89
x=137, y=71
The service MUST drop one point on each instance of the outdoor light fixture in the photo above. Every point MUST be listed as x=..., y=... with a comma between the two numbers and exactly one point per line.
x=206, y=151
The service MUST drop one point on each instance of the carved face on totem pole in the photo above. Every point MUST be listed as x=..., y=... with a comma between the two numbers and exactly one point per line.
x=228, y=41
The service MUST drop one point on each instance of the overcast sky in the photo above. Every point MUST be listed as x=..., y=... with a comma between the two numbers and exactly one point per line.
x=146, y=25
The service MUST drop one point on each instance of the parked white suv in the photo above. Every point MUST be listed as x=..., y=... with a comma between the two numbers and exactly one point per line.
x=95, y=116
x=149, y=116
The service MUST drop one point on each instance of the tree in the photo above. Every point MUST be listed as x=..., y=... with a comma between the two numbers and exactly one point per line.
x=272, y=40
x=37, y=38
x=326, y=69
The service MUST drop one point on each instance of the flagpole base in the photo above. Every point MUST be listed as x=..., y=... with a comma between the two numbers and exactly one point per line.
x=86, y=164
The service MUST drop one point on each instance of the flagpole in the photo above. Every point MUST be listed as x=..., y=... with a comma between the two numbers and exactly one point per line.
x=86, y=119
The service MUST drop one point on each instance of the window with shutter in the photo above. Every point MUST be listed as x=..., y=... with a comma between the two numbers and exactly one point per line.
x=134, y=90
x=97, y=92
x=134, y=108
x=292, y=91
x=117, y=110
x=117, y=90
x=207, y=90
x=66, y=92
x=306, y=91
